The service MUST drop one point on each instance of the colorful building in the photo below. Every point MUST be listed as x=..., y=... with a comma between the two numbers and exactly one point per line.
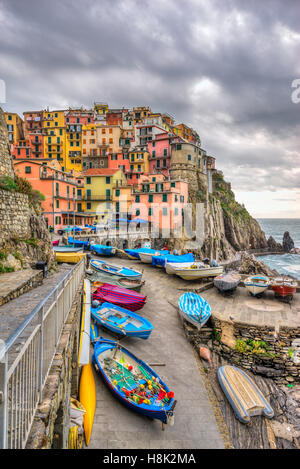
x=14, y=127
x=99, y=185
x=59, y=188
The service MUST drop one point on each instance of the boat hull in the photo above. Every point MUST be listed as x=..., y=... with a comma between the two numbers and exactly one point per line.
x=165, y=414
x=256, y=285
x=242, y=393
x=195, y=274
x=87, y=397
x=143, y=332
x=194, y=309
x=101, y=266
x=119, y=296
x=227, y=282
x=69, y=257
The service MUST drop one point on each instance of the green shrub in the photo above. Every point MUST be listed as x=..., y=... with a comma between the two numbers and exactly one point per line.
x=5, y=270
x=3, y=255
x=8, y=184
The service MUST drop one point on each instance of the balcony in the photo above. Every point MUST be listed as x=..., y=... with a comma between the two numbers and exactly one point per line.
x=97, y=198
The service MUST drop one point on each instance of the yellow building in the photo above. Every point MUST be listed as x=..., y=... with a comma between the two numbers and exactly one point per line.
x=139, y=161
x=14, y=127
x=55, y=136
x=99, y=185
x=73, y=147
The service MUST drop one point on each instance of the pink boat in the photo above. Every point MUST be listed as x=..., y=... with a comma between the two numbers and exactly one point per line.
x=55, y=243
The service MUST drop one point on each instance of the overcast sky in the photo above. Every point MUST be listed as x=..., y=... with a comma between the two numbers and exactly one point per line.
x=223, y=67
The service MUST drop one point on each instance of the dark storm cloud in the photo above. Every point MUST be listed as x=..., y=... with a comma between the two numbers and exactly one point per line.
x=223, y=67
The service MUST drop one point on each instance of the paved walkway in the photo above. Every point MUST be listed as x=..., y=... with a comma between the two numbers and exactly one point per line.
x=115, y=426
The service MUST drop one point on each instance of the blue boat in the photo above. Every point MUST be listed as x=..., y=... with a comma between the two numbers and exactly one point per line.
x=132, y=381
x=121, y=321
x=243, y=394
x=79, y=243
x=194, y=309
x=162, y=259
x=101, y=266
x=102, y=250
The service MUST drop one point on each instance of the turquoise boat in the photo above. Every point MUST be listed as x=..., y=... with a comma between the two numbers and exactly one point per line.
x=194, y=309
x=101, y=266
x=121, y=321
x=242, y=393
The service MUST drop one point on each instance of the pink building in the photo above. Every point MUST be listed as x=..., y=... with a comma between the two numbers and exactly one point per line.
x=160, y=201
x=160, y=153
x=119, y=161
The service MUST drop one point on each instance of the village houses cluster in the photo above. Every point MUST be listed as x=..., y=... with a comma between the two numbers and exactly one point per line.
x=92, y=163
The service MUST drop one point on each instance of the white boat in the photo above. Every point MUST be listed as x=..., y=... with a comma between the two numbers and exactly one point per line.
x=173, y=267
x=84, y=343
x=256, y=284
x=195, y=272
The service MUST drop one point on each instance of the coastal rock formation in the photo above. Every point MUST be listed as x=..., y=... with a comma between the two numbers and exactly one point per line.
x=228, y=227
x=250, y=265
x=273, y=245
x=23, y=232
x=287, y=242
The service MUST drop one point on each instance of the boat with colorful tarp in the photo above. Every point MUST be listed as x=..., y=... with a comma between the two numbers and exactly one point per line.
x=132, y=381
x=227, y=282
x=115, y=269
x=194, y=309
x=256, y=284
x=120, y=320
x=243, y=394
x=102, y=250
x=125, y=298
x=284, y=287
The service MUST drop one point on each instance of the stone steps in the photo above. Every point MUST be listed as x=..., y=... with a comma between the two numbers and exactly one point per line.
x=15, y=284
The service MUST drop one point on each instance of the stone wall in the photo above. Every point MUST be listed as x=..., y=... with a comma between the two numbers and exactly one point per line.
x=14, y=216
x=6, y=164
x=280, y=361
x=50, y=428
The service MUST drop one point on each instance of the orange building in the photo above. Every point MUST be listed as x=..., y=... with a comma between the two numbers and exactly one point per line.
x=61, y=192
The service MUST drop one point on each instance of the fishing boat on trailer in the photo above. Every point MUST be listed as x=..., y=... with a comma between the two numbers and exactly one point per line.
x=121, y=321
x=242, y=393
x=194, y=309
x=197, y=271
x=102, y=250
x=125, y=298
x=284, y=288
x=256, y=284
x=227, y=282
x=132, y=381
x=115, y=270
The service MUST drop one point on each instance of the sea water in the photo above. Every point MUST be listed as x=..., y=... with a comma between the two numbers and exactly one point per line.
x=285, y=264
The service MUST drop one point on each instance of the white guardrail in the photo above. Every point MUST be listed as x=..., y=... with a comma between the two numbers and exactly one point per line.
x=23, y=373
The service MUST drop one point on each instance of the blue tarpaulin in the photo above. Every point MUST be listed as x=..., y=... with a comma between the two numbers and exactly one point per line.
x=78, y=243
x=102, y=250
x=135, y=252
x=162, y=259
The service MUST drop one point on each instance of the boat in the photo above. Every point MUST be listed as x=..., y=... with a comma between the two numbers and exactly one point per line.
x=172, y=267
x=227, y=282
x=55, y=243
x=87, y=397
x=133, y=382
x=194, y=309
x=98, y=278
x=115, y=270
x=121, y=320
x=84, y=340
x=147, y=254
x=102, y=250
x=79, y=243
x=284, y=288
x=256, y=284
x=162, y=259
x=135, y=253
x=67, y=248
x=119, y=296
x=197, y=271
x=69, y=257
x=243, y=394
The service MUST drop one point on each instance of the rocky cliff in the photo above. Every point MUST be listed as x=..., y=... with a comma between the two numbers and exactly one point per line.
x=24, y=238
x=228, y=227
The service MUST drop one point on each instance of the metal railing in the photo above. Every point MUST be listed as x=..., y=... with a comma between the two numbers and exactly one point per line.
x=23, y=373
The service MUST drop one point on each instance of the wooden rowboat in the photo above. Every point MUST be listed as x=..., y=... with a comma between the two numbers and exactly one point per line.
x=284, y=288
x=243, y=394
x=256, y=284
x=115, y=270
x=123, y=297
x=194, y=272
